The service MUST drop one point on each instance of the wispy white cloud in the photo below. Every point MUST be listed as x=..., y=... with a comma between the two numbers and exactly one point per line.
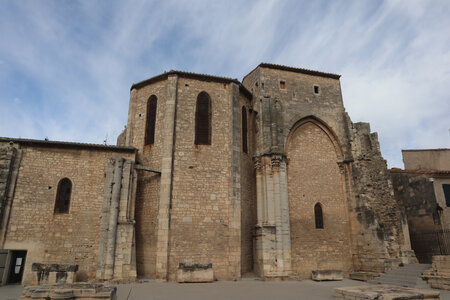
x=71, y=63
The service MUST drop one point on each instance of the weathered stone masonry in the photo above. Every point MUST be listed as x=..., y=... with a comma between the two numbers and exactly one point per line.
x=145, y=209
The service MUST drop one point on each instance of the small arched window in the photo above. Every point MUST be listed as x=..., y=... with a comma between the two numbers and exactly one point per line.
x=244, y=130
x=62, y=201
x=318, y=215
x=203, y=120
x=151, y=120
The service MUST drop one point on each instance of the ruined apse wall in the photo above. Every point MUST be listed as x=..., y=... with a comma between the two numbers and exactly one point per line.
x=382, y=233
x=284, y=98
x=148, y=184
x=68, y=238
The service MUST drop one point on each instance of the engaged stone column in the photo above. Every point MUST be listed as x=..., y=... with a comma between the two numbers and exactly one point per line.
x=165, y=194
x=116, y=251
x=273, y=247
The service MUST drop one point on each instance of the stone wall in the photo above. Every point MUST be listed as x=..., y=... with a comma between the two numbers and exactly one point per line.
x=201, y=229
x=314, y=177
x=416, y=193
x=248, y=192
x=382, y=236
x=71, y=237
x=427, y=159
x=7, y=158
x=198, y=196
x=439, y=275
x=148, y=186
x=370, y=221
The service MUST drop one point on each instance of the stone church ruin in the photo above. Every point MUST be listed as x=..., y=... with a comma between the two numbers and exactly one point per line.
x=266, y=176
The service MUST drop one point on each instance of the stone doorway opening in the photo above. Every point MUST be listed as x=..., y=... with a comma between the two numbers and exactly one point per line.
x=12, y=264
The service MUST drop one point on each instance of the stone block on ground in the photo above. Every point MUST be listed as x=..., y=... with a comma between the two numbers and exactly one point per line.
x=439, y=276
x=363, y=276
x=385, y=292
x=324, y=275
x=195, y=272
x=85, y=291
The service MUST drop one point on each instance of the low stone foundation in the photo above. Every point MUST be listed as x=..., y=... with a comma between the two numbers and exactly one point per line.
x=324, y=275
x=199, y=272
x=383, y=292
x=53, y=273
x=85, y=291
x=439, y=275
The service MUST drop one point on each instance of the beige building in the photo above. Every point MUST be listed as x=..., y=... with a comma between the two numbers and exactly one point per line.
x=423, y=188
x=266, y=176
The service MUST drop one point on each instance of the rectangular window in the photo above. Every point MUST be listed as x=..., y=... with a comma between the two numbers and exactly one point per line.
x=282, y=85
x=446, y=188
x=316, y=89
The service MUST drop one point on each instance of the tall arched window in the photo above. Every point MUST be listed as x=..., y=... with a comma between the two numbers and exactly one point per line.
x=318, y=215
x=203, y=120
x=151, y=120
x=244, y=130
x=62, y=201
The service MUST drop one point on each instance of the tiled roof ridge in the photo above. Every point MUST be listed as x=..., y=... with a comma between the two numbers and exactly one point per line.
x=183, y=73
x=65, y=144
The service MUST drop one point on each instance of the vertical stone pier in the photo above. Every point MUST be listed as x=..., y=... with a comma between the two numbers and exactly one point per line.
x=165, y=195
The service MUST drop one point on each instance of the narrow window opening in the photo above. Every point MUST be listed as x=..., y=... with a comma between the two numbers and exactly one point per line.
x=63, y=193
x=318, y=215
x=151, y=120
x=446, y=188
x=203, y=120
x=316, y=89
x=262, y=85
x=282, y=85
x=244, y=130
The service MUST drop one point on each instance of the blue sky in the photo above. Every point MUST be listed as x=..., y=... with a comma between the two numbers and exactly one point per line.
x=66, y=67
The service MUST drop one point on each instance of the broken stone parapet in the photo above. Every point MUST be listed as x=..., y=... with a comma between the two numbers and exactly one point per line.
x=439, y=274
x=85, y=291
x=383, y=292
x=197, y=272
x=53, y=273
x=323, y=275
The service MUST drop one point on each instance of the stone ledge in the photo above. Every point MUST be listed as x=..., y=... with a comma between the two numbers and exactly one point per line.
x=326, y=275
x=386, y=292
x=438, y=282
x=86, y=291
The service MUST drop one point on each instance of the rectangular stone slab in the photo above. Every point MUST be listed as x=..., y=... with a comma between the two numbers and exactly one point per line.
x=322, y=275
x=385, y=292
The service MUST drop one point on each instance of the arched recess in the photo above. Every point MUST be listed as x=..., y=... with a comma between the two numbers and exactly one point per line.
x=63, y=194
x=314, y=177
x=203, y=119
x=152, y=104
